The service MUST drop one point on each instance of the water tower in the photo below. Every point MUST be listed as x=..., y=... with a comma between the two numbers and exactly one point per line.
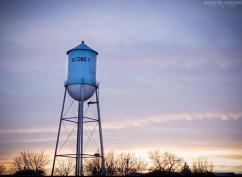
x=81, y=85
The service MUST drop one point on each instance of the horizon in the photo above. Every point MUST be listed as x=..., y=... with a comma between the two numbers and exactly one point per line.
x=169, y=74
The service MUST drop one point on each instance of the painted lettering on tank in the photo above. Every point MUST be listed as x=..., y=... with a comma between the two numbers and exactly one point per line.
x=83, y=59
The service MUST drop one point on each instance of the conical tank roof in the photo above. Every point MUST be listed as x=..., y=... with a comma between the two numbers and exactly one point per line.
x=82, y=46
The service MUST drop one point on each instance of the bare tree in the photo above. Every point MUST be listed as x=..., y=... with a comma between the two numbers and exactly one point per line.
x=128, y=163
x=202, y=165
x=29, y=160
x=185, y=170
x=2, y=169
x=166, y=163
x=122, y=165
x=141, y=165
x=65, y=167
x=93, y=167
x=110, y=164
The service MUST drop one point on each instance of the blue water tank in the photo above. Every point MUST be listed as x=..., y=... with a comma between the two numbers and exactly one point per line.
x=81, y=77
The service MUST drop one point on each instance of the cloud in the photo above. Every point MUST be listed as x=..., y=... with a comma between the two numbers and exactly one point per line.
x=170, y=117
x=226, y=168
x=228, y=156
x=139, y=122
x=34, y=140
x=28, y=131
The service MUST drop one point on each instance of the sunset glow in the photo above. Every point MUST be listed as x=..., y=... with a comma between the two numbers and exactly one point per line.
x=170, y=76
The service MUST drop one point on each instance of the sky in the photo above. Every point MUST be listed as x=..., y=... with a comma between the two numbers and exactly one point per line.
x=170, y=75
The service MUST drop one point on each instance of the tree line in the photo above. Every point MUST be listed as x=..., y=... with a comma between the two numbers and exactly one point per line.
x=31, y=163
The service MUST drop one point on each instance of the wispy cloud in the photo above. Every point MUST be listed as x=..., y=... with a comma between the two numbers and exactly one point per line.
x=170, y=117
x=28, y=131
x=226, y=168
x=139, y=122
x=229, y=156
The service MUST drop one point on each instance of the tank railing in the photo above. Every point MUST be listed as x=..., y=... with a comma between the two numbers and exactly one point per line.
x=89, y=121
x=66, y=155
x=71, y=121
x=77, y=155
x=89, y=118
x=69, y=118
